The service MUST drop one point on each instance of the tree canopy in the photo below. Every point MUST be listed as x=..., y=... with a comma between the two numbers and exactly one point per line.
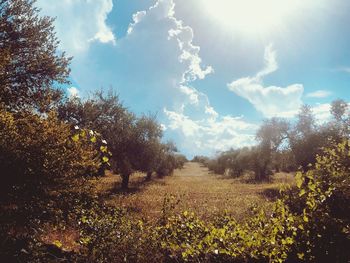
x=30, y=61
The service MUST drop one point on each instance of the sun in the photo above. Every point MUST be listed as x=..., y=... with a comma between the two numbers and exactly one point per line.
x=252, y=16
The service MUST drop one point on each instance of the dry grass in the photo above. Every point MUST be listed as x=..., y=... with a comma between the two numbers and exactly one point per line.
x=197, y=189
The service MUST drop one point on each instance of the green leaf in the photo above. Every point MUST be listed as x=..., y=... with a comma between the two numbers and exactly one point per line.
x=83, y=133
x=300, y=255
x=299, y=179
x=75, y=137
x=103, y=149
x=302, y=192
x=57, y=243
x=312, y=186
x=305, y=218
x=93, y=139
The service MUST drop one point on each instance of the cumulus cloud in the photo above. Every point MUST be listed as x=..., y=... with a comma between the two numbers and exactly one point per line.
x=154, y=66
x=210, y=136
x=163, y=11
x=79, y=22
x=188, y=116
x=319, y=94
x=272, y=100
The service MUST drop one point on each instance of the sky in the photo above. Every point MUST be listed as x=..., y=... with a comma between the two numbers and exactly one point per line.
x=212, y=70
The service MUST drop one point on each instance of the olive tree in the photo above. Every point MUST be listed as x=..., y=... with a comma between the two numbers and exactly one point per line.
x=30, y=63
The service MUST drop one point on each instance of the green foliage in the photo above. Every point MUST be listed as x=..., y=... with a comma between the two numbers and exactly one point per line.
x=103, y=155
x=40, y=152
x=44, y=171
x=134, y=142
x=29, y=60
x=262, y=238
x=236, y=162
x=322, y=201
x=110, y=235
x=309, y=223
x=180, y=160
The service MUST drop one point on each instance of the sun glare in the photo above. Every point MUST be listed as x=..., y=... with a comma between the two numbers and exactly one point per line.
x=251, y=16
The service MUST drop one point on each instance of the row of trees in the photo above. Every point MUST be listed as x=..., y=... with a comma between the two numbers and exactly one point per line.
x=283, y=145
x=134, y=142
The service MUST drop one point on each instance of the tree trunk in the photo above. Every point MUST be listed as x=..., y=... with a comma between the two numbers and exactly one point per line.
x=125, y=181
x=149, y=176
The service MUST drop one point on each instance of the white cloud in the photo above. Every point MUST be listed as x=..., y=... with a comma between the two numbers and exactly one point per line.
x=193, y=94
x=271, y=64
x=79, y=22
x=73, y=92
x=136, y=18
x=159, y=63
x=272, y=100
x=322, y=112
x=163, y=11
x=208, y=136
x=319, y=94
x=189, y=117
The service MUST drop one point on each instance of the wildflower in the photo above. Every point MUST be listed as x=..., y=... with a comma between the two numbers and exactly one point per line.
x=104, y=142
x=76, y=127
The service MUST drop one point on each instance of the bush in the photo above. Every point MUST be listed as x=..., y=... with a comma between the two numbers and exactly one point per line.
x=38, y=155
x=323, y=201
x=43, y=173
x=110, y=235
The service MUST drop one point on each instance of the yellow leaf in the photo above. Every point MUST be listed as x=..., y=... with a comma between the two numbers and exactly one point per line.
x=57, y=243
x=75, y=137
x=299, y=179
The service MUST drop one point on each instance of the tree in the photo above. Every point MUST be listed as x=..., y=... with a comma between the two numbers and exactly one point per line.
x=30, y=63
x=148, y=134
x=338, y=109
x=306, y=123
x=134, y=142
x=166, y=159
x=273, y=131
x=105, y=114
x=305, y=139
x=270, y=136
x=341, y=115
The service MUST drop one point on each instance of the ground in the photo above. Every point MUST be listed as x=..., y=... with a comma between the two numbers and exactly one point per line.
x=197, y=190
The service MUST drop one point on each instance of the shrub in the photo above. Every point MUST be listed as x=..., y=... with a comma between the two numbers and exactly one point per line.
x=110, y=235
x=39, y=155
x=323, y=203
x=43, y=173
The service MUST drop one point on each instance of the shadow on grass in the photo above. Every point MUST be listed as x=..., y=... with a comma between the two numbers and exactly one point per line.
x=272, y=194
x=134, y=187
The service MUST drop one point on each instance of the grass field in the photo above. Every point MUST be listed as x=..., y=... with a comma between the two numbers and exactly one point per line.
x=196, y=189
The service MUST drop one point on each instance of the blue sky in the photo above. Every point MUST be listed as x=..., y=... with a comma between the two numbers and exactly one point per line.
x=212, y=70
